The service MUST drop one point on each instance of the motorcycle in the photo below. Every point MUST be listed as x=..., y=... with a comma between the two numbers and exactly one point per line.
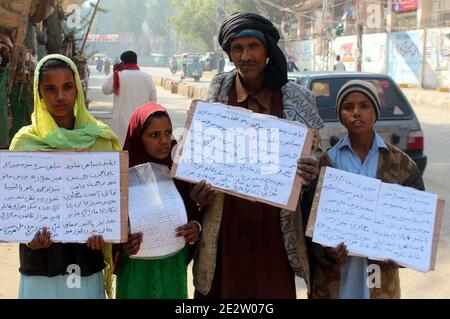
x=99, y=66
x=107, y=68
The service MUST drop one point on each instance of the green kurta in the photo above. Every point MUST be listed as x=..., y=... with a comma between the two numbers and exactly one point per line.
x=152, y=279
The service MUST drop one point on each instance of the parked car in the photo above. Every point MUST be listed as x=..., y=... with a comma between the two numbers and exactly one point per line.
x=397, y=124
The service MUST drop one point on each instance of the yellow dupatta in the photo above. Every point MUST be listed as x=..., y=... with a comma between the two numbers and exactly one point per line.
x=88, y=133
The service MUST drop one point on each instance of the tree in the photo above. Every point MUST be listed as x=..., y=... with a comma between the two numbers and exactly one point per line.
x=196, y=23
x=133, y=18
x=122, y=16
x=240, y=5
x=191, y=23
x=158, y=21
x=110, y=20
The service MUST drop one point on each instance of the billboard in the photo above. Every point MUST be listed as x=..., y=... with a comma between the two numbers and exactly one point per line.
x=92, y=37
x=404, y=5
x=111, y=38
x=346, y=48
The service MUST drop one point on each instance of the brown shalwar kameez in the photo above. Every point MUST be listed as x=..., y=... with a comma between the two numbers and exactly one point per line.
x=251, y=258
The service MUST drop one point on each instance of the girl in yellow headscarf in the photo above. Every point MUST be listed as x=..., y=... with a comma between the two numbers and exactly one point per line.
x=61, y=121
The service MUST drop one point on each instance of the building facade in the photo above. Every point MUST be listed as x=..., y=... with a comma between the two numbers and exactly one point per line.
x=407, y=39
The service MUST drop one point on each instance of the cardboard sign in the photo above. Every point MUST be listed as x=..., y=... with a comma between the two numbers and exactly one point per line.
x=245, y=154
x=75, y=195
x=376, y=220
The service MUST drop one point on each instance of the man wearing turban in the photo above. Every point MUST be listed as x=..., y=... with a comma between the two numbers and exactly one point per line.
x=249, y=249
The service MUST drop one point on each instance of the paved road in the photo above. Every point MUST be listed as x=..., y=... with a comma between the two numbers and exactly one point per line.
x=164, y=72
x=101, y=105
x=436, y=126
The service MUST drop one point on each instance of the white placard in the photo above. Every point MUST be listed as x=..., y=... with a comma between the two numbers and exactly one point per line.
x=156, y=209
x=244, y=153
x=404, y=226
x=377, y=220
x=74, y=195
x=346, y=210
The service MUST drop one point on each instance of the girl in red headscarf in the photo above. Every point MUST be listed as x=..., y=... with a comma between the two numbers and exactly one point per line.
x=149, y=139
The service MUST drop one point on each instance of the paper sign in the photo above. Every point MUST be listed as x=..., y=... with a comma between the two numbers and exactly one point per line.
x=375, y=219
x=156, y=210
x=74, y=195
x=242, y=153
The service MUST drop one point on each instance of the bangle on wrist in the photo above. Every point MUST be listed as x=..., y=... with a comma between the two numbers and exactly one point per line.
x=198, y=225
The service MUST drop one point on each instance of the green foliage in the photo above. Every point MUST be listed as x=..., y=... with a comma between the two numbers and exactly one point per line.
x=135, y=12
x=158, y=20
x=241, y=5
x=158, y=17
x=196, y=22
x=110, y=18
x=190, y=25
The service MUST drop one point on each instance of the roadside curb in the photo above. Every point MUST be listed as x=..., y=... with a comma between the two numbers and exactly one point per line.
x=181, y=88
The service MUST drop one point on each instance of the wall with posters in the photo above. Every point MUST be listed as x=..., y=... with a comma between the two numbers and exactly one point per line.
x=304, y=51
x=401, y=55
x=374, y=53
x=437, y=58
x=346, y=48
x=405, y=56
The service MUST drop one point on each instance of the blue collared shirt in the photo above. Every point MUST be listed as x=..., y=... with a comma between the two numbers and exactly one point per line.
x=346, y=159
x=353, y=284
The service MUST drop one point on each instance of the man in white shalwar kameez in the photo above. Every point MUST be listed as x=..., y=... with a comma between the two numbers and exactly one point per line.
x=132, y=88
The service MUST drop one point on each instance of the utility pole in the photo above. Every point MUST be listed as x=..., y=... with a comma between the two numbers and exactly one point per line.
x=423, y=14
x=324, y=38
x=314, y=45
x=330, y=57
x=359, y=33
x=389, y=16
x=220, y=15
x=89, y=27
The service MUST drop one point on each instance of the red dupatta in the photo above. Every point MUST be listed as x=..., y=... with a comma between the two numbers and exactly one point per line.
x=133, y=141
x=138, y=155
x=136, y=150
